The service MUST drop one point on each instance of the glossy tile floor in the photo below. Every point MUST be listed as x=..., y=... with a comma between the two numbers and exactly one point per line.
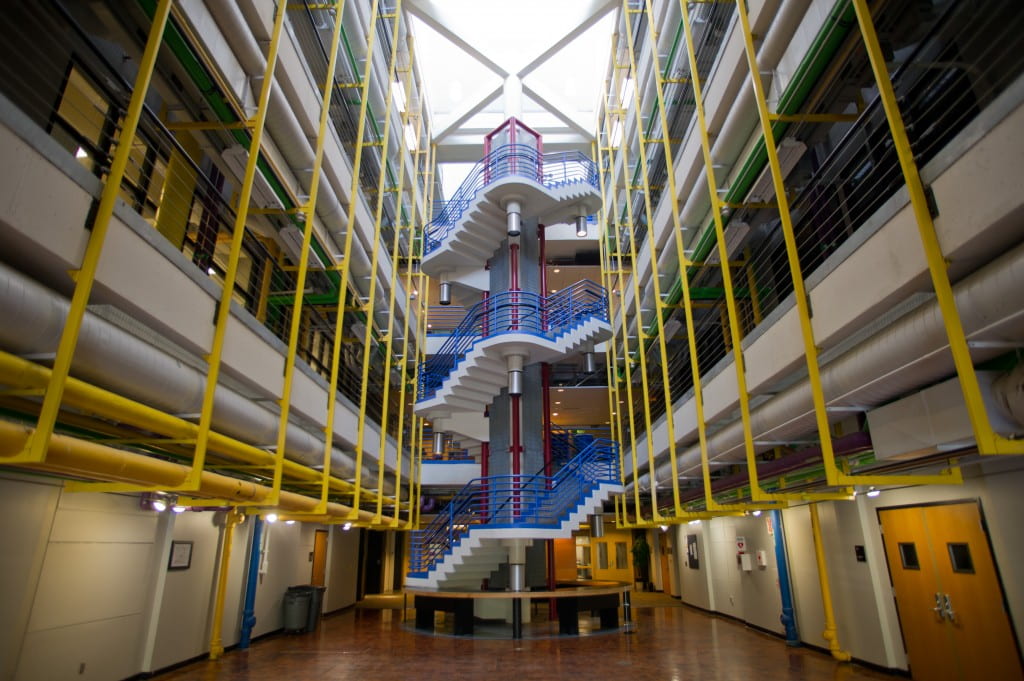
x=671, y=643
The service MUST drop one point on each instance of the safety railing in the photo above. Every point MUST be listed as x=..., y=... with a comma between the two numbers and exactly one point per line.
x=519, y=160
x=174, y=186
x=514, y=312
x=941, y=87
x=508, y=501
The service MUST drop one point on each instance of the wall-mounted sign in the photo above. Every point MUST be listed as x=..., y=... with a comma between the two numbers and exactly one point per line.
x=692, y=561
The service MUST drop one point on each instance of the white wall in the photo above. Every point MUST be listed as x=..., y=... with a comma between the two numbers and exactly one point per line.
x=89, y=605
x=694, y=586
x=342, y=569
x=719, y=583
x=183, y=631
x=27, y=508
x=866, y=619
x=84, y=580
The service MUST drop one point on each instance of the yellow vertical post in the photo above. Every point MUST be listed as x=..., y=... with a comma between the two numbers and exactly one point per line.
x=409, y=285
x=371, y=297
x=830, y=633
x=684, y=261
x=332, y=391
x=238, y=232
x=624, y=324
x=641, y=334
x=308, y=218
x=231, y=521
x=389, y=345
x=85, y=275
x=424, y=299
x=989, y=442
x=611, y=361
x=799, y=289
x=658, y=303
x=730, y=298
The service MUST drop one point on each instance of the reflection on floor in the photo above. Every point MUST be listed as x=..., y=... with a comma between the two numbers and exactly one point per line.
x=676, y=643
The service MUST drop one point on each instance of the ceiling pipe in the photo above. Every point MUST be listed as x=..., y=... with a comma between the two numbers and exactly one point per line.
x=71, y=457
x=110, y=357
x=909, y=354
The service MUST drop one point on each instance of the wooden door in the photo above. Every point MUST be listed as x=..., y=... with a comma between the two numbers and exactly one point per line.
x=915, y=583
x=951, y=605
x=666, y=579
x=976, y=610
x=319, y=575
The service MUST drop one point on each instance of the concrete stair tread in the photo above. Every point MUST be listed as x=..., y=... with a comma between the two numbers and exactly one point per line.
x=480, y=229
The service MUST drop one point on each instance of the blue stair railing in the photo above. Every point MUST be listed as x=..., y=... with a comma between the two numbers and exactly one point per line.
x=514, y=501
x=552, y=170
x=513, y=312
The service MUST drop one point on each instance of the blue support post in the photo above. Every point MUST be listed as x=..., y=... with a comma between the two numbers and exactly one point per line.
x=787, y=618
x=248, y=616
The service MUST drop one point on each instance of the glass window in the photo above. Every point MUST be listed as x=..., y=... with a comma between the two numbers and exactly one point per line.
x=81, y=124
x=960, y=557
x=621, y=557
x=908, y=556
x=602, y=555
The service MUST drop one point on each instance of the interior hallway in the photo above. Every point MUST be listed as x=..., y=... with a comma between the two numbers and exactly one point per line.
x=678, y=643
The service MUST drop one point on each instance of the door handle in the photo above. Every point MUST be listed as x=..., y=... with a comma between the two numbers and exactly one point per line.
x=939, y=606
x=948, y=609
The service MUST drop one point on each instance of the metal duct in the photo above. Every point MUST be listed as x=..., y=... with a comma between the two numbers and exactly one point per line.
x=1009, y=392
x=909, y=354
x=112, y=358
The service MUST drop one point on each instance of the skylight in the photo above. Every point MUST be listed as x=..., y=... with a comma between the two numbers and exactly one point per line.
x=551, y=55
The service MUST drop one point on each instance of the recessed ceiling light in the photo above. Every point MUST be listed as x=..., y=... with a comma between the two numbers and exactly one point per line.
x=556, y=270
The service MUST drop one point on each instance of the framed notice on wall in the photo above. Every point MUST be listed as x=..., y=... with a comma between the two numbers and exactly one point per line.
x=692, y=561
x=181, y=555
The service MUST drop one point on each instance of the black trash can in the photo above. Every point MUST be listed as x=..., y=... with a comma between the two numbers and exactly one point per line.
x=297, y=601
x=316, y=606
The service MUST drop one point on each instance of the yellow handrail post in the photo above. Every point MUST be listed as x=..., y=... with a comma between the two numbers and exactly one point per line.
x=332, y=391
x=424, y=288
x=730, y=298
x=364, y=392
x=411, y=257
x=602, y=246
x=658, y=303
x=830, y=634
x=638, y=318
x=989, y=442
x=238, y=232
x=231, y=520
x=624, y=324
x=309, y=216
x=85, y=275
